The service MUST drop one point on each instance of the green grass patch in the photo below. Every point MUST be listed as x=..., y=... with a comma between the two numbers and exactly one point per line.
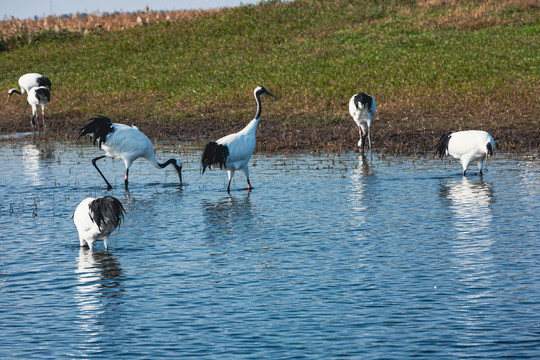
x=467, y=58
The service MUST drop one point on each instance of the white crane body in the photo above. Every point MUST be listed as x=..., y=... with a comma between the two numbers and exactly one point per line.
x=467, y=146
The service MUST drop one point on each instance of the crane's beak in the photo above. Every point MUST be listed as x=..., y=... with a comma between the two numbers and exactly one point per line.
x=179, y=171
x=269, y=94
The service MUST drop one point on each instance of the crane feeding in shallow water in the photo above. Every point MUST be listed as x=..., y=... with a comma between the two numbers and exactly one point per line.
x=96, y=219
x=123, y=142
x=467, y=146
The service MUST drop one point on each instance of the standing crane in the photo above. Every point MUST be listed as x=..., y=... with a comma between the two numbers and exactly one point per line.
x=362, y=108
x=233, y=151
x=38, y=96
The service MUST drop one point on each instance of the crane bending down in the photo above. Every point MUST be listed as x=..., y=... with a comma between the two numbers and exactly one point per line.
x=362, y=108
x=123, y=142
x=38, y=96
x=467, y=146
x=233, y=151
x=31, y=80
x=96, y=219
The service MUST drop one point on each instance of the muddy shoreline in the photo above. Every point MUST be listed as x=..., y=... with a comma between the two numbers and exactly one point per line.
x=335, y=134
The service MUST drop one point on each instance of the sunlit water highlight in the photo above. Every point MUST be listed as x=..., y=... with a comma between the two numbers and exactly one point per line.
x=329, y=255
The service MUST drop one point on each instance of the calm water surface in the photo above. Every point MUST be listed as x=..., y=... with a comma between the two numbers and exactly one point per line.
x=329, y=256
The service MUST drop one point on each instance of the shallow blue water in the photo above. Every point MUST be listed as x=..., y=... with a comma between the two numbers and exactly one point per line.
x=329, y=256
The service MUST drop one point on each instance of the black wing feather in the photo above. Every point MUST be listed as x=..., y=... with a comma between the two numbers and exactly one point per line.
x=214, y=154
x=44, y=81
x=99, y=127
x=106, y=210
x=43, y=95
x=442, y=145
x=362, y=100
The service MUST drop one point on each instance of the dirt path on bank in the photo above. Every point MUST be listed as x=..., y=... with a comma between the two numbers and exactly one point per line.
x=391, y=134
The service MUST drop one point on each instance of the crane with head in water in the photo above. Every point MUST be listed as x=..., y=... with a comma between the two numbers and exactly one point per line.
x=467, y=146
x=96, y=219
x=123, y=142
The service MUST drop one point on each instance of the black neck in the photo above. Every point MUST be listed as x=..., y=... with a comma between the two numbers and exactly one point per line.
x=259, y=107
x=176, y=166
x=168, y=162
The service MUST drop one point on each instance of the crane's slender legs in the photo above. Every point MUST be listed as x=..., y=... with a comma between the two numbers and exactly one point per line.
x=231, y=174
x=246, y=173
x=369, y=138
x=109, y=187
x=33, y=122
x=43, y=116
x=126, y=180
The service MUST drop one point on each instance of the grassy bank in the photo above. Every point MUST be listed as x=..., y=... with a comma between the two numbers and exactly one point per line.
x=432, y=66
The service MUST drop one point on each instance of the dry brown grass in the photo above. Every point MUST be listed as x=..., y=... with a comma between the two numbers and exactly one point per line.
x=479, y=14
x=12, y=29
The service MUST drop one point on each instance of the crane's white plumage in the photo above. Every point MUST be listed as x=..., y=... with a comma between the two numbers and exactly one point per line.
x=362, y=108
x=123, y=142
x=28, y=81
x=233, y=151
x=96, y=219
x=38, y=96
x=467, y=146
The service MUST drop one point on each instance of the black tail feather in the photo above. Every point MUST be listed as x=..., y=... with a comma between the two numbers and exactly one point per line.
x=214, y=154
x=107, y=210
x=442, y=145
x=364, y=101
x=44, y=81
x=43, y=95
x=99, y=127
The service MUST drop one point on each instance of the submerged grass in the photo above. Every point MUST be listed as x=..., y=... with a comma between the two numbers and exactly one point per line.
x=432, y=66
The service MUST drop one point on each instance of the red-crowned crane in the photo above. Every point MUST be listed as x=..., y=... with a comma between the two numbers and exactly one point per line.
x=96, y=219
x=38, y=96
x=28, y=81
x=123, y=142
x=467, y=146
x=362, y=108
x=233, y=151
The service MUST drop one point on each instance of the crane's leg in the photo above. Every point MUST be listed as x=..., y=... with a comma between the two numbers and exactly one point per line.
x=231, y=174
x=109, y=187
x=480, y=166
x=43, y=115
x=33, y=122
x=105, y=243
x=246, y=173
x=126, y=179
x=369, y=137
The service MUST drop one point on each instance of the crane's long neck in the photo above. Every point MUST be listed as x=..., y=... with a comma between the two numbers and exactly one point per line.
x=252, y=126
x=174, y=162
